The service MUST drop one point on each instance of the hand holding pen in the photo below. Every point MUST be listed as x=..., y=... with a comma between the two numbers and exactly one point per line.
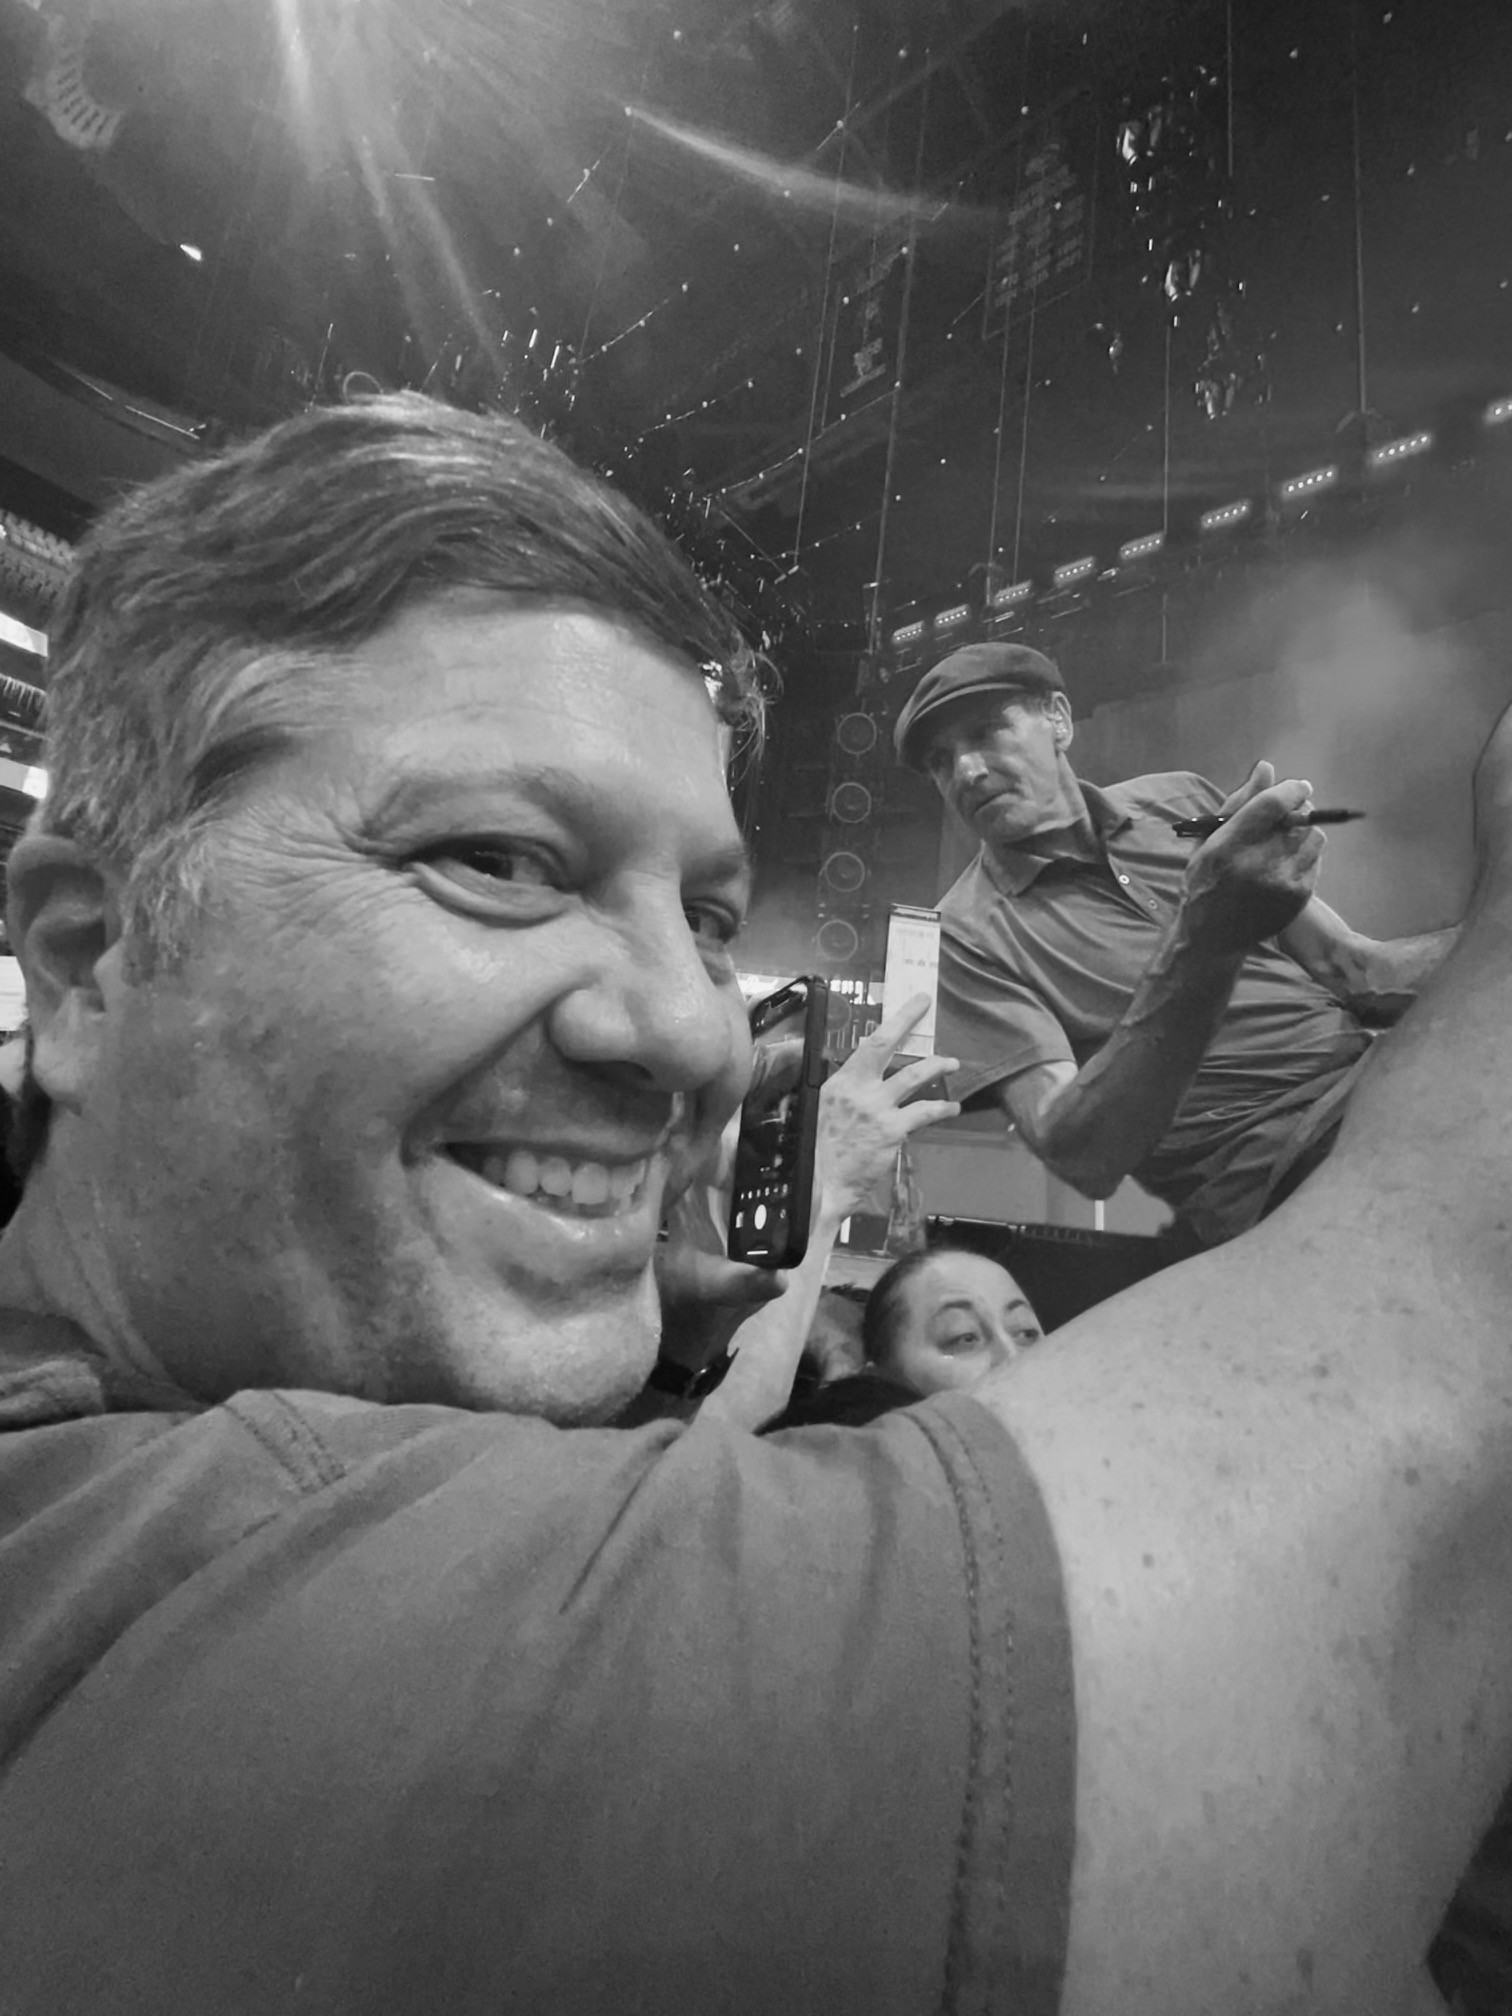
x=1205, y=828
x=1261, y=869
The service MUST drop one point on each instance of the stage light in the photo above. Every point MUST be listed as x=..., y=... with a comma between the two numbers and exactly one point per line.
x=192, y=252
x=1311, y=483
x=26, y=778
x=908, y=634
x=1010, y=597
x=1499, y=411
x=1226, y=514
x=1398, y=451
x=21, y=636
x=1136, y=549
x=1074, y=570
x=951, y=619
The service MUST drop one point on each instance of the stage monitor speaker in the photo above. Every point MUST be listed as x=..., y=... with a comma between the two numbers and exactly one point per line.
x=844, y=871
x=850, y=802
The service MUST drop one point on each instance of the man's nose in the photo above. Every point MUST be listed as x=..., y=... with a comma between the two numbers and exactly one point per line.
x=650, y=1002
x=1003, y=1350
x=970, y=767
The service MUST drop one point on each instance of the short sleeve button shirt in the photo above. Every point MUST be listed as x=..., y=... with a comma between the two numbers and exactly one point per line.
x=1040, y=958
x=309, y=1704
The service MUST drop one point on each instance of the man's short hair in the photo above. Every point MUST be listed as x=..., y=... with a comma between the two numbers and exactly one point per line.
x=205, y=608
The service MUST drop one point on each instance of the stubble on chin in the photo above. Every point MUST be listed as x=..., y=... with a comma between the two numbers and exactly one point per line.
x=576, y=1366
x=596, y=1362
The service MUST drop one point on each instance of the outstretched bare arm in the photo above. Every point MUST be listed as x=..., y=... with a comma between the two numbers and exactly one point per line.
x=863, y=1116
x=1281, y=1480
x=1378, y=978
x=1096, y=1125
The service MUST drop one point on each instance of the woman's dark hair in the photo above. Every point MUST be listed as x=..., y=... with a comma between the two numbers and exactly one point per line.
x=886, y=1304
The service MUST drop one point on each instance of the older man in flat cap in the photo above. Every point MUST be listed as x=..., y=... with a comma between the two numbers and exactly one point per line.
x=1116, y=988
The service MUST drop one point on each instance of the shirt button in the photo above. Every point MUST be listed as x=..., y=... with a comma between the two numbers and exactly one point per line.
x=1125, y=880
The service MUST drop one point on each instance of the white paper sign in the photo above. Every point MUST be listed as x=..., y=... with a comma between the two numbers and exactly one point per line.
x=913, y=967
x=12, y=996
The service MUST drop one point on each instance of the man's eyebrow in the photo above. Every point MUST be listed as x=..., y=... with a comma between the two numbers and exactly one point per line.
x=734, y=863
x=418, y=788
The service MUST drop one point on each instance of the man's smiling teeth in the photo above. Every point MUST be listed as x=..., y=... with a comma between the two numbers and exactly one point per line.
x=587, y=1186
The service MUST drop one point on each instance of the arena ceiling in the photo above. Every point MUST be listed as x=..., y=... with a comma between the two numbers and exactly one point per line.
x=1130, y=257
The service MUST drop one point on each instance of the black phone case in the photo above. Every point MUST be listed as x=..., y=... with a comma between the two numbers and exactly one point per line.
x=779, y=1191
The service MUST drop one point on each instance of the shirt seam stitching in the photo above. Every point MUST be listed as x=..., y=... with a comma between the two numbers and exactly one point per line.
x=972, y=1814
x=327, y=1469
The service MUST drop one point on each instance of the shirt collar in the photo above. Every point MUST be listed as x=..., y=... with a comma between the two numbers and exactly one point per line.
x=50, y=1371
x=1014, y=870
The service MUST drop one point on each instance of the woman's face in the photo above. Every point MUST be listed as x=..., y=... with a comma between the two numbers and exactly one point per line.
x=963, y=1316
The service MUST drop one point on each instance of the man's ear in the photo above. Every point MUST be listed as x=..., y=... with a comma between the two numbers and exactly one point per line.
x=63, y=918
x=1060, y=716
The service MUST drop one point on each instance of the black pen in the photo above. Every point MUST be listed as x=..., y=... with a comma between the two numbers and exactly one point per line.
x=1204, y=829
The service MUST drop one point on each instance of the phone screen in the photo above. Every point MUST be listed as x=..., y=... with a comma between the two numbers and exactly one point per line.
x=769, y=1131
x=774, y=1156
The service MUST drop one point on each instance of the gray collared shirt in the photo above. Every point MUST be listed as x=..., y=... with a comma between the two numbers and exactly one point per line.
x=1039, y=959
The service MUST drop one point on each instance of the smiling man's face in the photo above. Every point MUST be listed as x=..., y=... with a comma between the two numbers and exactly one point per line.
x=460, y=1015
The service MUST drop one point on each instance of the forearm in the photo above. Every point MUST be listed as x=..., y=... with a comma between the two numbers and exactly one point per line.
x=1291, y=1588
x=1247, y=883
x=695, y=1328
x=1385, y=975
x=768, y=1345
x=865, y=1115
x=1115, y=1111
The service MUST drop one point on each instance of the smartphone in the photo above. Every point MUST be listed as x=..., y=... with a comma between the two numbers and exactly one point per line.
x=912, y=967
x=774, y=1159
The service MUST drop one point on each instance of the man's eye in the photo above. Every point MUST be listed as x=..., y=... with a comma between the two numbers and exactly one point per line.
x=495, y=860
x=505, y=879
x=1026, y=1337
x=711, y=924
x=961, y=1340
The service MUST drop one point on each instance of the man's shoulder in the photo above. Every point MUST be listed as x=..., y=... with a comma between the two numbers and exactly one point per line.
x=1162, y=792
x=964, y=898
x=415, y=1629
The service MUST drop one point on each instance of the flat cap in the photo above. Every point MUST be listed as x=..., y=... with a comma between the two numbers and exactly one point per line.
x=978, y=668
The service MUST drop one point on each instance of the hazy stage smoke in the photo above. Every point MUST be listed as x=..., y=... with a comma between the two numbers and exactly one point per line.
x=1378, y=678
x=779, y=938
